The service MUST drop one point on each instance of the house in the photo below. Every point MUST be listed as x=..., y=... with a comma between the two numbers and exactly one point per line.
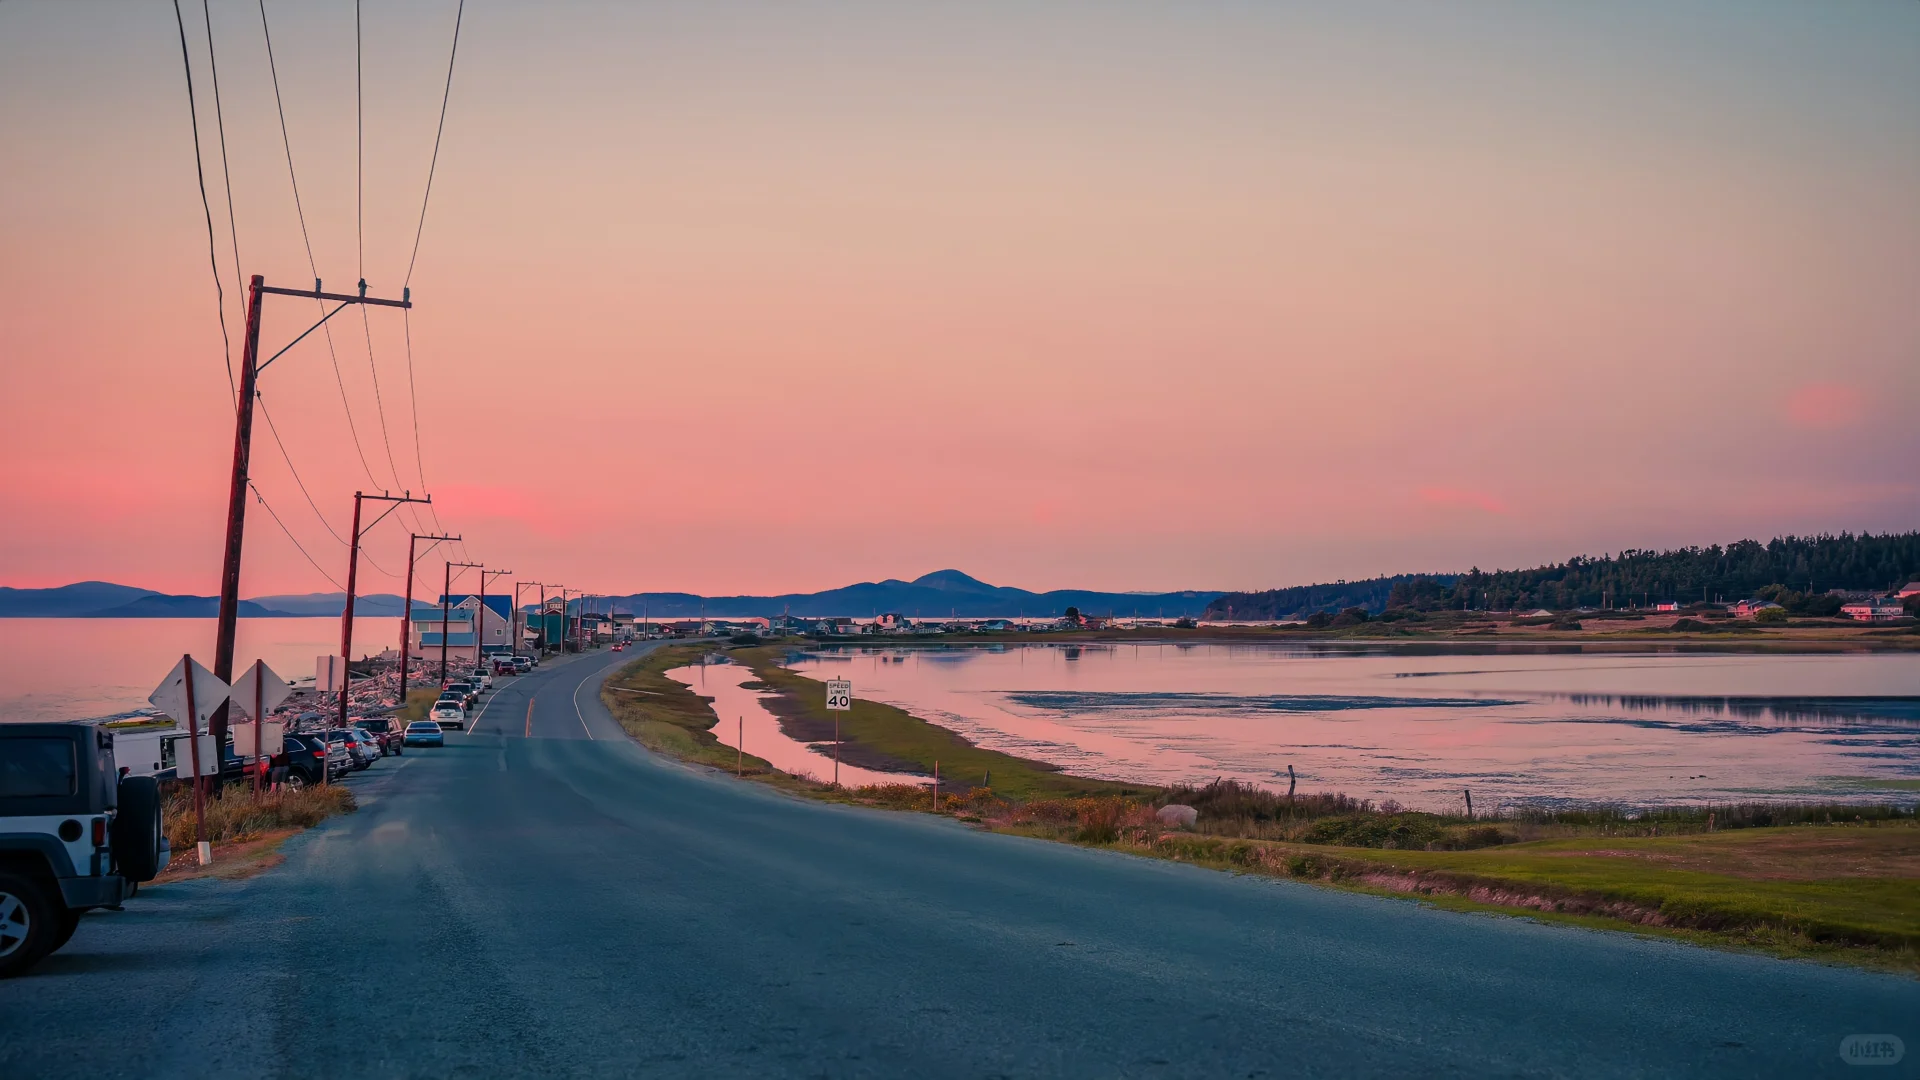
x=1881, y=609
x=1667, y=605
x=892, y=620
x=466, y=622
x=1747, y=609
x=1911, y=588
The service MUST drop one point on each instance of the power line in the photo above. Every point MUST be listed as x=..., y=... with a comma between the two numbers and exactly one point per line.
x=193, y=114
x=286, y=141
x=302, y=484
x=296, y=543
x=262, y=400
x=226, y=174
x=359, y=153
x=434, y=162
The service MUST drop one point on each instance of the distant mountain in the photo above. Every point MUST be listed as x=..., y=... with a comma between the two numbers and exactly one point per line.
x=105, y=600
x=157, y=606
x=67, y=601
x=941, y=593
x=331, y=604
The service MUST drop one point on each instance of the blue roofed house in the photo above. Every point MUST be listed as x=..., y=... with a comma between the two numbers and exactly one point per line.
x=466, y=622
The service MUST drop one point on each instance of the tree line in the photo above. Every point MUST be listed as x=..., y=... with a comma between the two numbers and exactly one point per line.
x=1803, y=569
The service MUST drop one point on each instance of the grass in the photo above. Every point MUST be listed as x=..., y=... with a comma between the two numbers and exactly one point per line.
x=236, y=817
x=879, y=736
x=1823, y=881
x=419, y=700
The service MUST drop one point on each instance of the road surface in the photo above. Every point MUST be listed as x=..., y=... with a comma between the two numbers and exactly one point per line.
x=543, y=897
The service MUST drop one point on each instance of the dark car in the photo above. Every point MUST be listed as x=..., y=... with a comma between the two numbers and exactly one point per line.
x=305, y=759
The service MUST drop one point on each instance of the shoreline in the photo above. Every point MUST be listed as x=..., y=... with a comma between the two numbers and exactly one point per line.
x=1741, y=886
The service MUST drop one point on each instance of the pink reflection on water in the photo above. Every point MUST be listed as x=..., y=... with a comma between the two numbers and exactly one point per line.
x=1515, y=727
x=742, y=714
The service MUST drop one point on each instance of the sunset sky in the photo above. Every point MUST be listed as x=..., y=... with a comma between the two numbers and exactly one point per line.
x=765, y=297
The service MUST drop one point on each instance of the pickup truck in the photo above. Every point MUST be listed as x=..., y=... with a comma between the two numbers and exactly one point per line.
x=74, y=835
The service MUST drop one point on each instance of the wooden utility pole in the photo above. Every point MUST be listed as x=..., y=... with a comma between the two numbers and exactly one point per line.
x=481, y=615
x=406, y=609
x=446, y=599
x=250, y=369
x=353, y=570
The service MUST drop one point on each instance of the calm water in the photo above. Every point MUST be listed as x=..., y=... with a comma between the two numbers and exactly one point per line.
x=746, y=723
x=69, y=669
x=1515, y=727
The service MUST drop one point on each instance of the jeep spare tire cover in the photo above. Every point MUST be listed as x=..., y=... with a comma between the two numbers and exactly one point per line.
x=136, y=829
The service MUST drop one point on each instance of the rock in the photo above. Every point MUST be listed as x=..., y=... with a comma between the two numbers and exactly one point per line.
x=1177, y=816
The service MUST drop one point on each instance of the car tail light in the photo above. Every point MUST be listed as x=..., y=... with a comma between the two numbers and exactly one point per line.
x=99, y=832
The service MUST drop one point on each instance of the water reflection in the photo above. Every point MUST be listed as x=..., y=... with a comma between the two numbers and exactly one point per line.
x=1547, y=725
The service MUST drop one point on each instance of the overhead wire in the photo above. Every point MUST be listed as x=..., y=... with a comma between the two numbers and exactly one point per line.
x=255, y=488
x=293, y=178
x=226, y=174
x=302, y=484
x=426, y=197
x=206, y=207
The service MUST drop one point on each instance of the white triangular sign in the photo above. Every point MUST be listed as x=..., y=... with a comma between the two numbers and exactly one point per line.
x=170, y=696
x=272, y=689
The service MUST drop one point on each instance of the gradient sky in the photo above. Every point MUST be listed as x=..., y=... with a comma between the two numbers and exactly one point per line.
x=731, y=298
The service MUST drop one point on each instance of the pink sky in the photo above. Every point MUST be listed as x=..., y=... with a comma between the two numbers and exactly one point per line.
x=781, y=298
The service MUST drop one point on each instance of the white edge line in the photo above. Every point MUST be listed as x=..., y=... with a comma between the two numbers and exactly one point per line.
x=578, y=713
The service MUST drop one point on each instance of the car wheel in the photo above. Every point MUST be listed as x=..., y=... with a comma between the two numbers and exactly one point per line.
x=294, y=781
x=64, y=925
x=28, y=924
x=136, y=828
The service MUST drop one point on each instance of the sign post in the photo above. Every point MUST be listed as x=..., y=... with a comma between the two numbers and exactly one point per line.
x=255, y=694
x=839, y=700
x=191, y=694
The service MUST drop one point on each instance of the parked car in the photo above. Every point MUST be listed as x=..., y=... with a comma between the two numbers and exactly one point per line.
x=480, y=679
x=424, y=733
x=382, y=732
x=503, y=665
x=469, y=694
x=74, y=835
x=363, y=747
x=340, y=756
x=522, y=665
x=307, y=755
x=445, y=714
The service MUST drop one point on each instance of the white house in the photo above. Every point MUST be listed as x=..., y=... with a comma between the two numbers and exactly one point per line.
x=1879, y=610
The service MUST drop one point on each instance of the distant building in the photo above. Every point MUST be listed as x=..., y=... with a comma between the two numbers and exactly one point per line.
x=1911, y=588
x=1668, y=605
x=1881, y=610
x=891, y=620
x=466, y=621
x=1748, y=608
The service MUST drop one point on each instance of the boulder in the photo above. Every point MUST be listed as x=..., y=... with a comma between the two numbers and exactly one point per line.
x=1176, y=816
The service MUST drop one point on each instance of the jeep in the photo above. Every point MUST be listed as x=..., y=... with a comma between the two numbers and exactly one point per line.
x=74, y=835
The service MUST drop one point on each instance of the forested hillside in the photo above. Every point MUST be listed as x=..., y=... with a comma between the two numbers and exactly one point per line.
x=1805, y=565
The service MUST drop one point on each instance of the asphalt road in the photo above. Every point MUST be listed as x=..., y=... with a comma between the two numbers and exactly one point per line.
x=564, y=903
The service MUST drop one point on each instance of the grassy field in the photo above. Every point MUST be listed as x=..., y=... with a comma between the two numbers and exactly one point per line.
x=1849, y=893
x=1833, y=882
x=245, y=832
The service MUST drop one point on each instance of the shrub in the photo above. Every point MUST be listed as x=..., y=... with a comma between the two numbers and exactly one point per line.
x=235, y=816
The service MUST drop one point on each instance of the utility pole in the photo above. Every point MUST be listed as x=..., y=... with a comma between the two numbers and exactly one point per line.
x=517, y=586
x=446, y=598
x=484, y=574
x=353, y=568
x=406, y=609
x=250, y=369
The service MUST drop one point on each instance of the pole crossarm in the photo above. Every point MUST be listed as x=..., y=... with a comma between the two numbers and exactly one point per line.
x=345, y=298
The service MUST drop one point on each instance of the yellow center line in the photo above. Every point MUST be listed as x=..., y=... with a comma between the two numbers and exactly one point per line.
x=530, y=702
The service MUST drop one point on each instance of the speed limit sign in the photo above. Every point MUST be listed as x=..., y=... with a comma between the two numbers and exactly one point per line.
x=839, y=694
